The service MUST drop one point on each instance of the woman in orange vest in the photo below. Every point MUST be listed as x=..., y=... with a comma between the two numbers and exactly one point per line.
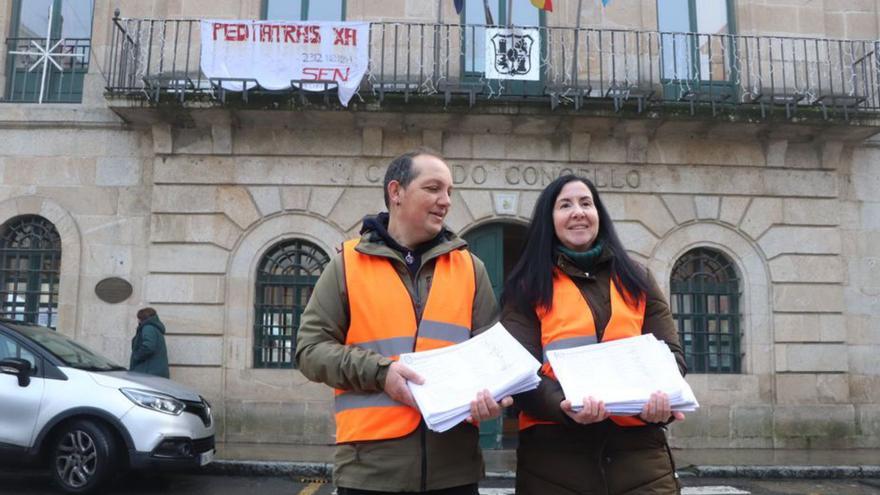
x=575, y=285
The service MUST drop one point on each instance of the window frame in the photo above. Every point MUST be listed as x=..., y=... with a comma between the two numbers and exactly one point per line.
x=304, y=11
x=298, y=282
x=78, y=72
x=671, y=88
x=34, y=276
x=697, y=341
x=467, y=69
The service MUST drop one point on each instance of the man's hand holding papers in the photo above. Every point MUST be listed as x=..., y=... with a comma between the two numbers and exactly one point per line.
x=396, y=383
x=454, y=376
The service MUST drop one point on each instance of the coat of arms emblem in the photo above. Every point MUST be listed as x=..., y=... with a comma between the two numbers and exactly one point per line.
x=513, y=53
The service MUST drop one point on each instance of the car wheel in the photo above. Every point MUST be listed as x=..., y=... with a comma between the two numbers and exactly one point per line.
x=83, y=455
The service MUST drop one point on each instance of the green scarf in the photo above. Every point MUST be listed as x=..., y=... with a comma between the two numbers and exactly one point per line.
x=583, y=259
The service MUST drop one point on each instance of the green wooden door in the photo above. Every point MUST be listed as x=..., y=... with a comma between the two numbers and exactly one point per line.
x=487, y=243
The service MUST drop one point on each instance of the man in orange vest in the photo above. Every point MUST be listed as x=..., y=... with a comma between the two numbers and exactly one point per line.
x=407, y=284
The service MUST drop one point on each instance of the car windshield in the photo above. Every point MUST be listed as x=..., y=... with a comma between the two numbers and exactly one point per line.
x=68, y=351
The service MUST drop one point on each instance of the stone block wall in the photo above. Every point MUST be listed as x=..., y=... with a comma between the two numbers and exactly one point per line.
x=185, y=215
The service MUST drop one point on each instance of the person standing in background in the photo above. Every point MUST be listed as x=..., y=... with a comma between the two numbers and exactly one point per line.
x=148, y=352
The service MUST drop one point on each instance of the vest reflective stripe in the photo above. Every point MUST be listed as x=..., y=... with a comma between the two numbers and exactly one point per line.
x=383, y=320
x=389, y=347
x=568, y=344
x=570, y=323
x=358, y=400
x=438, y=330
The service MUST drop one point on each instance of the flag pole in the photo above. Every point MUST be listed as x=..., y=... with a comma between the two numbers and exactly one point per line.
x=577, y=32
x=509, y=13
x=435, y=76
x=489, y=20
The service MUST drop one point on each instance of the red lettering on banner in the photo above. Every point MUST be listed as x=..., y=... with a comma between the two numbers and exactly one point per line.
x=345, y=36
x=280, y=33
x=326, y=74
x=232, y=32
x=288, y=34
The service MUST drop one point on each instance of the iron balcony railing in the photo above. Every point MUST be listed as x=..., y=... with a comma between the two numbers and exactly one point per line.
x=66, y=65
x=579, y=67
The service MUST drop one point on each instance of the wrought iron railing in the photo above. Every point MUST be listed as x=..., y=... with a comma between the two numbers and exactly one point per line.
x=578, y=68
x=65, y=69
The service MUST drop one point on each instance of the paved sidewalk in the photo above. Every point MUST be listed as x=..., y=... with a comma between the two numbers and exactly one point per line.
x=316, y=461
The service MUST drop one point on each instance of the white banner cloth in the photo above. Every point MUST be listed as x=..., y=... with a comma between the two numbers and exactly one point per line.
x=513, y=53
x=275, y=52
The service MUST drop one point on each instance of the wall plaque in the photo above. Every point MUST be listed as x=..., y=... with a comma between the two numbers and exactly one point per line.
x=113, y=290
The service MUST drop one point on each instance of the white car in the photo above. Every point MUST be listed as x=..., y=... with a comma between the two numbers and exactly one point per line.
x=88, y=419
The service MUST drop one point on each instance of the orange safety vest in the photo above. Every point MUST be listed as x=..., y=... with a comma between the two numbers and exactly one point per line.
x=569, y=323
x=384, y=320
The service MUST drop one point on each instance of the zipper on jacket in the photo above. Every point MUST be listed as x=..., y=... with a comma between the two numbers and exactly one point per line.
x=424, y=434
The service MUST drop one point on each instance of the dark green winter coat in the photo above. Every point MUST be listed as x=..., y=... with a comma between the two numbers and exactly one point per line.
x=148, y=353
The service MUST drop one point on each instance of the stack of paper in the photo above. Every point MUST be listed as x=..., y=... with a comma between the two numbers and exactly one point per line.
x=492, y=361
x=622, y=373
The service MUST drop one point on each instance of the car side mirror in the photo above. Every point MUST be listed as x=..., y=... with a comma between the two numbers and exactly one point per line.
x=18, y=367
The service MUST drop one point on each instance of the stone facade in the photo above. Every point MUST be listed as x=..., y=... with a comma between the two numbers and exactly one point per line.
x=185, y=213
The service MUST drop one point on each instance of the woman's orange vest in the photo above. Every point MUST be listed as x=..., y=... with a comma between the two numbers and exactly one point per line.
x=569, y=323
x=384, y=319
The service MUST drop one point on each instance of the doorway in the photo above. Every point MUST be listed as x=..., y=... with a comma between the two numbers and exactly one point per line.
x=498, y=245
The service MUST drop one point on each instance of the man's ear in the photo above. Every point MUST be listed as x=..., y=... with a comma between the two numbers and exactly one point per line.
x=394, y=190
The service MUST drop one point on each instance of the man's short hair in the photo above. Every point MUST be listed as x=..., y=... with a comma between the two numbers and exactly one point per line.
x=145, y=313
x=401, y=170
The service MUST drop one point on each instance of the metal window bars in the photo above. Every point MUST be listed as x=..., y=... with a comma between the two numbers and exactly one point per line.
x=705, y=300
x=30, y=264
x=65, y=72
x=153, y=58
x=285, y=279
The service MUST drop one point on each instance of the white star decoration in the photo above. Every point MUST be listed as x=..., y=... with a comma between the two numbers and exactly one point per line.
x=46, y=54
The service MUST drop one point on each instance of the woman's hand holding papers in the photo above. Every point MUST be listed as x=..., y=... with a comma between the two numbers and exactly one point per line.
x=395, y=383
x=593, y=411
x=658, y=410
x=485, y=408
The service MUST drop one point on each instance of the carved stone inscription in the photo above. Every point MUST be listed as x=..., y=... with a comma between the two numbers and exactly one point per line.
x=530, y=176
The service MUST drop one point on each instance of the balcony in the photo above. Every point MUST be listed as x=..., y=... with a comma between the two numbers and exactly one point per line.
x=439, y=67
x=64, y=74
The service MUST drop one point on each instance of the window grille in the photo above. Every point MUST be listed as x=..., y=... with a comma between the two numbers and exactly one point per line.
x=68, y=26
x=705, y=291
x=286, y=277
x=30, y=267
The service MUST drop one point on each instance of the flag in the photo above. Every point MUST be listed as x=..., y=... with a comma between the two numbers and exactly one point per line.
x=605, y=2
x=545, y=4
x=459, y=4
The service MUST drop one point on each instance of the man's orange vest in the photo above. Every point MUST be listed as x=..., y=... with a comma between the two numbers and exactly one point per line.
x=569, y=323
x=384, y=320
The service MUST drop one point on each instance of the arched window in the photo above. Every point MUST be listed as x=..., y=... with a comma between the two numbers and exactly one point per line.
x=285, y=279
x=705, y=306
x=30, y=265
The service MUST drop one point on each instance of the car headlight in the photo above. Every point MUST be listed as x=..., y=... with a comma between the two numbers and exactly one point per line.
x=155, y=401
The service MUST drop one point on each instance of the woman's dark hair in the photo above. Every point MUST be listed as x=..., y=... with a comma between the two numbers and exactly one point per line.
x=145, y=313
x=530, y=284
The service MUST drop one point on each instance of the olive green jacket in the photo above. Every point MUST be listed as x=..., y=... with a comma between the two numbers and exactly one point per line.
x=422, y=460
